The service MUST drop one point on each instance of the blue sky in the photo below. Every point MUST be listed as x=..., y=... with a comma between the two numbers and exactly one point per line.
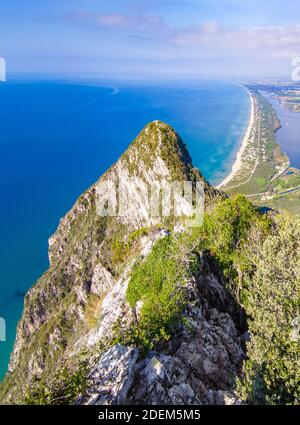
x=150, y=39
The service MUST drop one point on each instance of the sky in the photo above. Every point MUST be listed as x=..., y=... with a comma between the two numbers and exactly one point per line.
x=150, y=39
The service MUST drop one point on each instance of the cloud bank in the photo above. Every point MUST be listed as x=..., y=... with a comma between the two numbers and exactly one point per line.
x=208, y=34
x=245, y=46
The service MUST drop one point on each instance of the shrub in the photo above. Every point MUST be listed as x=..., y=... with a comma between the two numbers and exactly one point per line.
x=159, y=283
x=159, y=280
x=65, y=388
x=271, y=374
x=226, y=231
x=122, y=249
x=93, y=309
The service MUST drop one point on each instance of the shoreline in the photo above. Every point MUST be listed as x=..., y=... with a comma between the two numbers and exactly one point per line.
x=238, y=161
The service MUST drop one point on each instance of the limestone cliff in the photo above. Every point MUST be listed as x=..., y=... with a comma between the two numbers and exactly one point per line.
x=75, y=309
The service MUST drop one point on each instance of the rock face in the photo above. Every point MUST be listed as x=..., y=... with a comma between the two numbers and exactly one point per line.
x=114, y=306
x=112, y=376
x=78, y=301
x=198, y=366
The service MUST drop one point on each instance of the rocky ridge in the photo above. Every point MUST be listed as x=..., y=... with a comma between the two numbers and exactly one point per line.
x=77, y=302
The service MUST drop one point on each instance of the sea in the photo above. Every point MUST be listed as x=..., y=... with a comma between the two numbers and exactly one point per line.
x=58, y=136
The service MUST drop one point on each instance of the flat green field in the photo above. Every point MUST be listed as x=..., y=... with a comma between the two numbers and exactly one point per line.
x=265, y=175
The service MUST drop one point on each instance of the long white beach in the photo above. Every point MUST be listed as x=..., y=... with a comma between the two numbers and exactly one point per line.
x=238, y=162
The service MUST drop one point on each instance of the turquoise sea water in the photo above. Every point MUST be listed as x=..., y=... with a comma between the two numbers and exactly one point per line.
x=57, y=138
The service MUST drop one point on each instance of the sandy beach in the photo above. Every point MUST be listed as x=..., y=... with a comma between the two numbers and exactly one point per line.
x=238, y=162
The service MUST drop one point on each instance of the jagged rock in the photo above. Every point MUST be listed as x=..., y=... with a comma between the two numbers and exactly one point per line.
x=112, y=376
x=114, y=306
x=196, y=373
x=147, y=243
x=199, y=365
x=102, y=280
x=82, y=264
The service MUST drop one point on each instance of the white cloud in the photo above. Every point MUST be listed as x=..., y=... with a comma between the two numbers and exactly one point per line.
x=143, y=25
x=272, y=41
x=210, y=27
x=209, y=46
x=209, y=35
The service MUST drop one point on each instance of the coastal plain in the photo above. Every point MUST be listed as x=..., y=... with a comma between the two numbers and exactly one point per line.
x=262, y=171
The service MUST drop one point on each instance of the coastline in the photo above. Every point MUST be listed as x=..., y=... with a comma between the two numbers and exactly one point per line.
x=238, y=161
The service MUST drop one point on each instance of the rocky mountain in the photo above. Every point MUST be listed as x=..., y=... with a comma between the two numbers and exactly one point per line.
x=138, y=309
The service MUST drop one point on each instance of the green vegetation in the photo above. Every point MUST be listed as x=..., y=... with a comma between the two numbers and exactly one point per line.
x=67, y=384
x=142, y=149
x=261, y=181
x=263, y=157
x=256, y=256
x=158, y=282
x=264, y=173
x=272, y=373
x=226, y=229
x=259, y=258
x=93, y=309
x=288, y=182
x=124, y=248
x=282, y=203
x=65, y=388
x=174, y=153
x=158, y=139
x=289, y=98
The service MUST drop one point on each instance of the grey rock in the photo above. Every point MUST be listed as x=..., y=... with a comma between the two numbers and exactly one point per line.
x=112, y=376
x=192, y=367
